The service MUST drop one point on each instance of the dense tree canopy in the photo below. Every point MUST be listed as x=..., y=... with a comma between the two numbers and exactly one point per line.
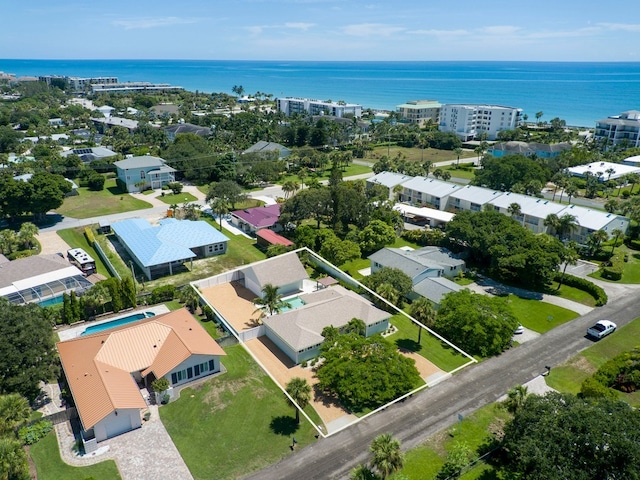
x=505, y=172
x=366, y=372
x=478, y=324
x=500, y=243
x=27, y=349
x=562, y=437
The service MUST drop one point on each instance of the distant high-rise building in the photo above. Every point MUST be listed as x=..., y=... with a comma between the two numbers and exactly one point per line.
x=472, y=121
x=623, y=129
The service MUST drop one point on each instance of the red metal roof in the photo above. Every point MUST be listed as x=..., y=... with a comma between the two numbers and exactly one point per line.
x=273, y=238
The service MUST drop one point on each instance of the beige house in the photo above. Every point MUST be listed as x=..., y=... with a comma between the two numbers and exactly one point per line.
x=109, y=373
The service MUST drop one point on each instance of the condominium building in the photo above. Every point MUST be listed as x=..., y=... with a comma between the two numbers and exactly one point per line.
x=420, y=111
x=290, y=106
x=623, y=129
x=476, y=120
x=78, y=84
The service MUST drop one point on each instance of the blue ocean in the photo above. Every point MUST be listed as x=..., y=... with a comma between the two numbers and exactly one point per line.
x=579, y=93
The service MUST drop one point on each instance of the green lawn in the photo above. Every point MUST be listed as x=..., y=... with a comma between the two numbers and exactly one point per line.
x=465, y=170
x=235, y=423
x=437, y=352
x=95, y=204
x=631, y=272
x=46, y=456
x=425, y=461
x=417, y=154
x=179, y=198
x=569, y=377
x=349, y=171
x=539, y=316
x=75, y=239
x=572, y=293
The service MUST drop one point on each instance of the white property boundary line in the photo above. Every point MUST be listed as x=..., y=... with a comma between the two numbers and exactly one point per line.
x=355, y=282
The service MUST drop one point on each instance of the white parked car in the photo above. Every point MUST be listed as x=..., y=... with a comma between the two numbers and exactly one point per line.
x=601, y=329
x=519, y=330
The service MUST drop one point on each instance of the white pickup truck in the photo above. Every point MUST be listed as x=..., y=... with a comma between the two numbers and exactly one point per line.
x=601, y=329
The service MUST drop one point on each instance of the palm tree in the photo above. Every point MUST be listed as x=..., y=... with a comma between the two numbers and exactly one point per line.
x=220, y=208
x=26, y=234
x=14, y=411
x=595, y=240
x=362, y=472
x=387, y=456
x=571, y=190
x=190, y=298
x=300, y=392
x=617, y=233
x=515, y=211
x=13, y=459
x=422, y=311
x=569, y=256
x=566, y=224
x=446, y=175
x=458, y=152
x=427, y=167
x=437, y=173
x=552, y=222
x=516, y=397
x=538, y=117
x=271, y=299
x=357, y=326
x=388, y=292
x=290, y=187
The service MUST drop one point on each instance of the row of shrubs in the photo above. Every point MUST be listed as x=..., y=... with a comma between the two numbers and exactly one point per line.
x=591, y=288
x=621, y=373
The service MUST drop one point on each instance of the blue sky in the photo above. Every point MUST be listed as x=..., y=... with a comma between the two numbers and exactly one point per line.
x=558, y=30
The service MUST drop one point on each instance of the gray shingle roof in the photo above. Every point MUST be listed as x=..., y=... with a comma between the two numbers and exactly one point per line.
x=278, y=271
x=144, y=161
x=335, y=306
x=415, y=262
x=28, y=267
x=434, y=288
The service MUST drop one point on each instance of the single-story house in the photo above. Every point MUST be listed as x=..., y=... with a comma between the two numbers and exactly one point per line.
x=428, y=268
x=109, y=371
x=251, y=220
x=158, y=249
x=136, y=173
x=269, y=148
x=89, y=154
x=298, y=331
x=104, y=124
x=284, y=271
x=265, y=238
x=40, y=278
x=173, y=130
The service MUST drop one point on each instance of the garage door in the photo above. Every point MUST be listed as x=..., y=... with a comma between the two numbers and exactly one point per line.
x=117, y=425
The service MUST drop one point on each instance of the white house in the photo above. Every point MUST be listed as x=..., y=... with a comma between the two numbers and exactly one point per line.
x=623, y=129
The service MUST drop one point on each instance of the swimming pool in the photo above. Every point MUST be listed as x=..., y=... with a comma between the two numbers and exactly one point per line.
x=51, y=301
x=295, y=302
x=116, y=323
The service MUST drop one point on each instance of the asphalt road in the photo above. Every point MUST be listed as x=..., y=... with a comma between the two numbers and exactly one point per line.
x=437, y=408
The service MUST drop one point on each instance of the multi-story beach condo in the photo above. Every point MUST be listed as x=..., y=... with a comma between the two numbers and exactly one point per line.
x=623, y=129
x=420, y=111
x=290, y=106
x=472, y=121
x=78, y=84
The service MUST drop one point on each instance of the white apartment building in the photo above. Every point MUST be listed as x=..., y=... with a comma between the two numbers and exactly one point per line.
x=619, y=129
x=420, y=111
x=291, y=105
x=474, y=120
x=79, y=84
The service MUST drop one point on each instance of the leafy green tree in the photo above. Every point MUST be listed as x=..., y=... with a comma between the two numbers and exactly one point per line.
x=387, y=456
x=48, y=192
x=562, y=437
x=311, y=203
x=362, y=472
x=115, y=292
x=422, y=310
x=504, y=172
x=300, y=391
x=366, y=372
x=479, y=324
x=339, y=251
x=228, y=190
x=376, y=235
x=27, y=234
x=396, y=278
x=569, y=256
x=129, y=294
x=28, y=350
x=458, y=457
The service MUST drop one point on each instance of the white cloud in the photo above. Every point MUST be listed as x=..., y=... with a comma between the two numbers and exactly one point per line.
x=440, y=33
x=625, y=27
x=143, y=23
x=299, y=25
x=499, y=30
x=370, y=29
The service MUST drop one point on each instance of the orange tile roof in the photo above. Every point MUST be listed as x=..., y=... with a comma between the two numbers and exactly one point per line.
x=98, y=367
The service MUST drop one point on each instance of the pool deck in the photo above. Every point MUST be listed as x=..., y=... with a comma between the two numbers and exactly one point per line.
x=77, y=330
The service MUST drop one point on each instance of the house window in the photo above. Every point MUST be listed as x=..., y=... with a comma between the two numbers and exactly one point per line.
x=142, y=174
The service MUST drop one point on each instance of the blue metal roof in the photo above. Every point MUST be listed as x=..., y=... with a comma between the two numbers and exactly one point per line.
x=170, y=241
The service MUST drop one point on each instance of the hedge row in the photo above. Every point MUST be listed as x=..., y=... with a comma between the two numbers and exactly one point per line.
x=88, y=233
x=581, y=284
x=613, y=271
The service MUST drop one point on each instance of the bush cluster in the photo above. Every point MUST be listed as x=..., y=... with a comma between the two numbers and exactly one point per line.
x=613, y=271
x=581, y=284
x=88, y=233
x=426, y=237
x=622, y=373
x=33, y=433
x=165, y=293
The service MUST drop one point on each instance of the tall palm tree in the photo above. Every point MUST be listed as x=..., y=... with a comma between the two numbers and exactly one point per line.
x=290, y=187
x=356, y=326
x=458, y=152
x=220, y=208
x=617, y=233
x=422, y=310
x=595, y=240
x=362, y=472
x=567, y=223
x=190, y=298
x=569, y=256
x=552, y=222
x=516, y=397
x=387, y=456
x=271, y=299
x=27, y=233
x=300, y=391
x=571, y=190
